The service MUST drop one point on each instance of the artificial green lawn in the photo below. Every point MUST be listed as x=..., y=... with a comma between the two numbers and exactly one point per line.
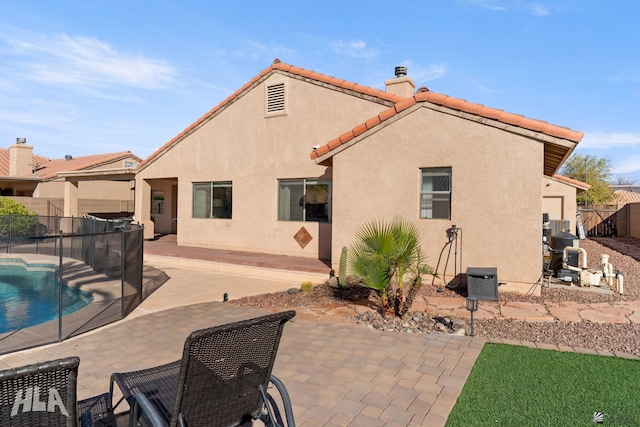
x=520, y=386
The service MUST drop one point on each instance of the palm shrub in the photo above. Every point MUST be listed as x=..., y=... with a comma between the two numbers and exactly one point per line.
x=387, y=257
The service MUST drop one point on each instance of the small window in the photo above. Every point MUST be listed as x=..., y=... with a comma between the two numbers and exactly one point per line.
x=435, y=193
x=276, y=100
x=304, y=200
x=212, y=199
x=157, y=202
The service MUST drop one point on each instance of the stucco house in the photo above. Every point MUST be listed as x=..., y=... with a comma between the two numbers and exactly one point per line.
x=69, y=186
x=294, y=161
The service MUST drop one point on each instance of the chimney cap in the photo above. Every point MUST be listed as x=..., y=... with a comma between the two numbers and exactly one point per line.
x=68, y=157
x=401, y=71
x=21, y=140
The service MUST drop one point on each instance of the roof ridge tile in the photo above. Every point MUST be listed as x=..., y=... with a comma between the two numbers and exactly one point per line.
x=405, y=103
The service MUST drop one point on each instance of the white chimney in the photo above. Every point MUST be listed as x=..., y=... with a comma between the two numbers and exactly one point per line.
x=20, y=158
x=401, y=85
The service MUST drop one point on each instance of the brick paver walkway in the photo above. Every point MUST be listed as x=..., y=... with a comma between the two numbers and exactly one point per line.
x=336, y=374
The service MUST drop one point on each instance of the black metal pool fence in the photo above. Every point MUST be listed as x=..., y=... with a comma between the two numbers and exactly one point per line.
x=101, y=257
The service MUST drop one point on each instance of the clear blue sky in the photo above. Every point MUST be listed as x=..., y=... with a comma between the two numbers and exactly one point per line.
x=86, y=77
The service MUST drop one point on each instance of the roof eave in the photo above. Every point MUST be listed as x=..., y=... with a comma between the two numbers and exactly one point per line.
x=556, y=150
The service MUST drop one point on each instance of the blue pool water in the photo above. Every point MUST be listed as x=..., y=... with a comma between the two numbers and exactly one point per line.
x=29, y=295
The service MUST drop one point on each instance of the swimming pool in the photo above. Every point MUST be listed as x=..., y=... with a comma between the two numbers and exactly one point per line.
x=29, y=295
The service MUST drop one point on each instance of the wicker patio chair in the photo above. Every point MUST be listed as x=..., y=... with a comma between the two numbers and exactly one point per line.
x=44, y=394
x=221, y=380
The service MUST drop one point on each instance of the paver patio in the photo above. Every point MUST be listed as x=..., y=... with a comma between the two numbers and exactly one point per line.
x=338, y=374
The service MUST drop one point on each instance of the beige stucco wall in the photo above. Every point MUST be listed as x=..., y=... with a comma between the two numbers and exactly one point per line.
x=97, y=190
x=559, y=201
x=496, y=194
x=41, y=205
x=93, y=190
x=242, y=146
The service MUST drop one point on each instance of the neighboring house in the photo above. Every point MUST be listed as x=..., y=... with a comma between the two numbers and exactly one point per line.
x=295, y=161
x=69, y=186
x=622, y=197
x=635, y=188
x=559, y=198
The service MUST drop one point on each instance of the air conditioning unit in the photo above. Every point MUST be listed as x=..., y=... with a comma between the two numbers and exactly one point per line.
x=482, y=283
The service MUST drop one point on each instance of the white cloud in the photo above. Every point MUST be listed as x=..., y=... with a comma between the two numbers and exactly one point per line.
x=81, y=61
x=272, y=50
x=354, y=49
x=604, y=141
x=420, y=73
x=629, y=165
x=630, y=75
x=538, y=9
x=485, y=89
x=535, y=8
x=486, y=4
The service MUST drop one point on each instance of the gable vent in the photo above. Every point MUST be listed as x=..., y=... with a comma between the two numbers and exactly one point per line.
x=275, y=98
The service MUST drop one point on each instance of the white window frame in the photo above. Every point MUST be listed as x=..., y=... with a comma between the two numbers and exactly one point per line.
x=432, y=201
x=207, y=205
x=285, y=202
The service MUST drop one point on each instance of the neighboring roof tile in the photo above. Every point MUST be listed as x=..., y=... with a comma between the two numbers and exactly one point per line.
x=280, y=66
x=572, y=182
x=51, y=168
x=4, y=161
x=626, y=196
x=464, y=106
x=48, y=168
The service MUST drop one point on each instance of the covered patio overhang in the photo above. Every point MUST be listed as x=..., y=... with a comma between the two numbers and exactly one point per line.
x=72, y=178
x=18, y=186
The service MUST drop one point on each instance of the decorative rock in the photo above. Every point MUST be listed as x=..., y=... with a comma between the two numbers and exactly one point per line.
x=292, y=291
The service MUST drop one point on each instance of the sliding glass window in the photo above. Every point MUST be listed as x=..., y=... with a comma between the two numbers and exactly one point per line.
x=304, y=200
x=212, y=199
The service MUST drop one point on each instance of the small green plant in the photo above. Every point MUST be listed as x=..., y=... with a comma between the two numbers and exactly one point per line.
x=306, y=286
x=15, y=219
x=342, y=271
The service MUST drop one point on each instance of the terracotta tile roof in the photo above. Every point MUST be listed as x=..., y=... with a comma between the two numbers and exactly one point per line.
x=4, y=161
x=381, y=95
x=572, y=182
x=51, y=168
x=453, y=104
x=48, y=168
x=625, y=196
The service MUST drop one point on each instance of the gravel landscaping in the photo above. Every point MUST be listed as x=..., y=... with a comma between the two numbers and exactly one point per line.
x=614, y=338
